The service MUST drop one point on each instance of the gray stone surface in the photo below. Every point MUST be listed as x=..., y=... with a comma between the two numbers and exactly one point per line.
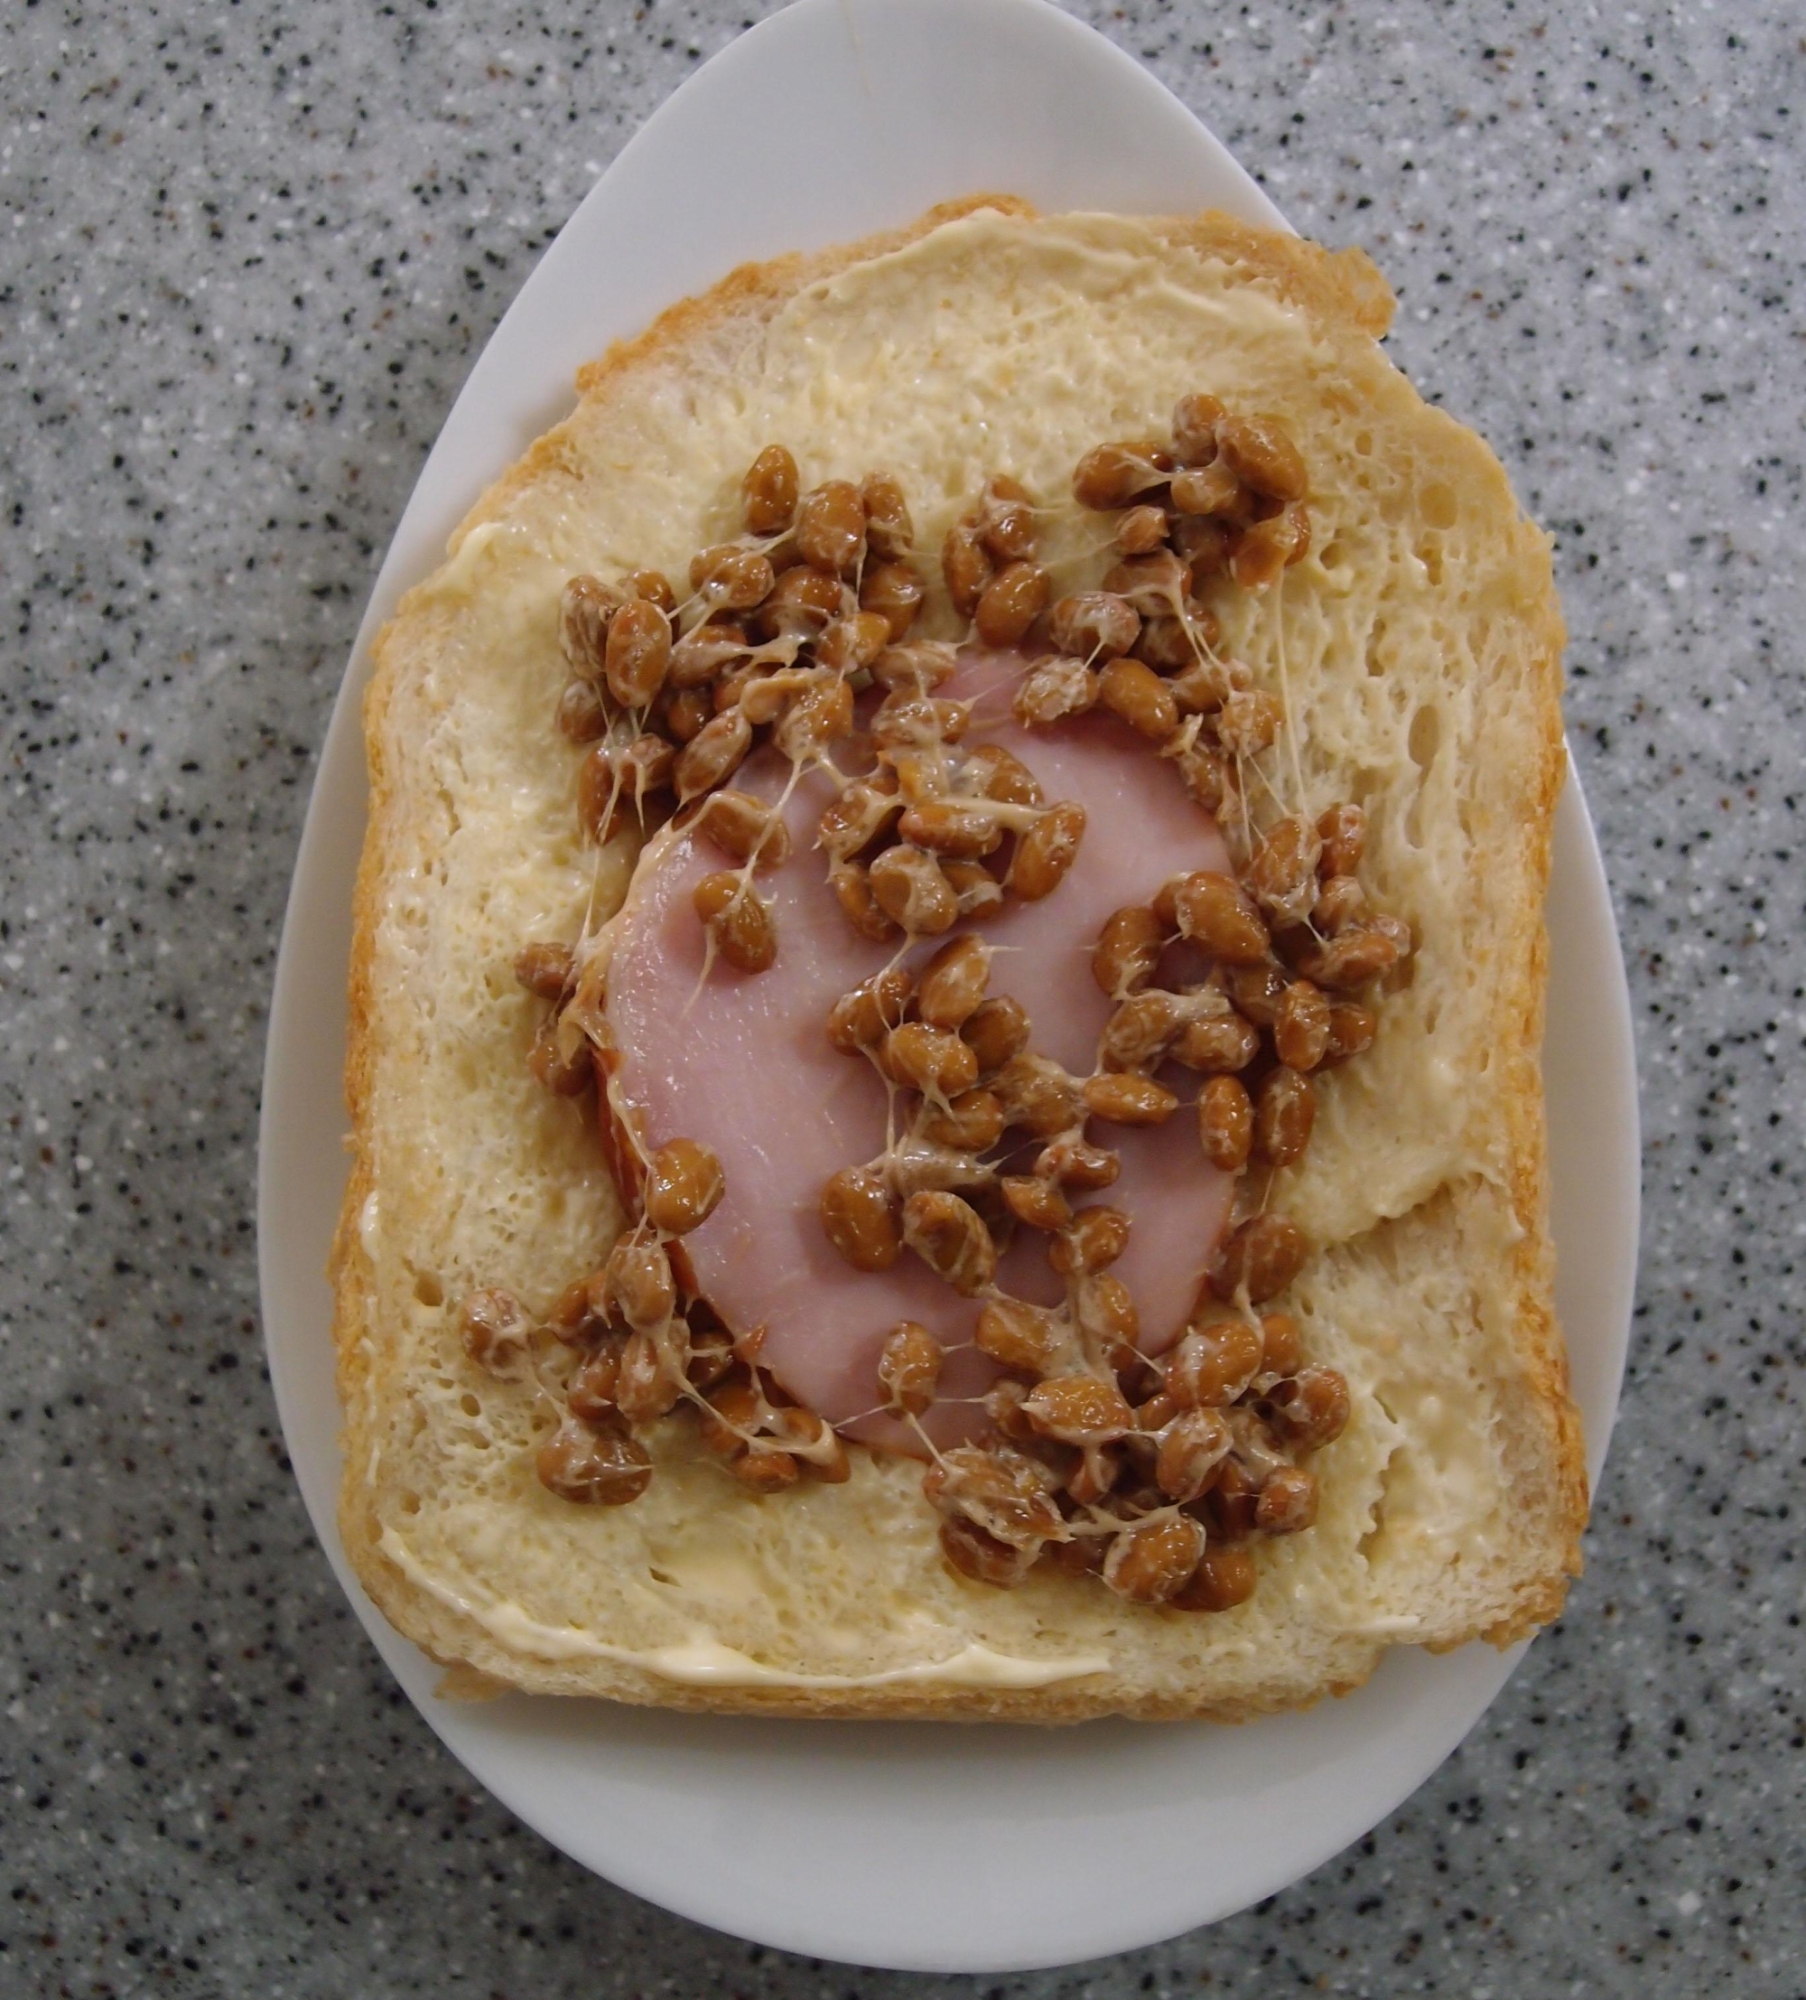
x=249, y=252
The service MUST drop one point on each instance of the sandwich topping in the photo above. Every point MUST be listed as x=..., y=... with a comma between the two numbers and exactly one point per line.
x=1059, y=988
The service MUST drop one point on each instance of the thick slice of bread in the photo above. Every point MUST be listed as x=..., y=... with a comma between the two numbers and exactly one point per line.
x=1416, y=650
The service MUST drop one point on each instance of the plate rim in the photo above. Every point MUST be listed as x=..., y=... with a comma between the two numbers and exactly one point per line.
x=337, y=791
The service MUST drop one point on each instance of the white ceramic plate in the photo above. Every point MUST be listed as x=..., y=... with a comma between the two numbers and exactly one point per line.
x=944, y=1849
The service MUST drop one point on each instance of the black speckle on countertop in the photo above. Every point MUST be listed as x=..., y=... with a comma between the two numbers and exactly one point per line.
x=247, y=255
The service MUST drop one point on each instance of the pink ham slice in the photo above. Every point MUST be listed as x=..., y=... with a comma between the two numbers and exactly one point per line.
x=743, y=1063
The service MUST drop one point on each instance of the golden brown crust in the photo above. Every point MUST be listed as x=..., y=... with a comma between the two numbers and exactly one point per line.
x=1542, y=1351
x=347, y=1266
x=1342, y=288
x=1342, y=292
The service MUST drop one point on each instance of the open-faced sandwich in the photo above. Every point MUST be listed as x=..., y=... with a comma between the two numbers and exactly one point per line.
x=946, y=1007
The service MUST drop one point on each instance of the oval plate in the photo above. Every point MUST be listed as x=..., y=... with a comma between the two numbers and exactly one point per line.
x=904, y=1845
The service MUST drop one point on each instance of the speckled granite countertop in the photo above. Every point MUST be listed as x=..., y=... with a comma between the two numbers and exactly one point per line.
x=249, y=253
